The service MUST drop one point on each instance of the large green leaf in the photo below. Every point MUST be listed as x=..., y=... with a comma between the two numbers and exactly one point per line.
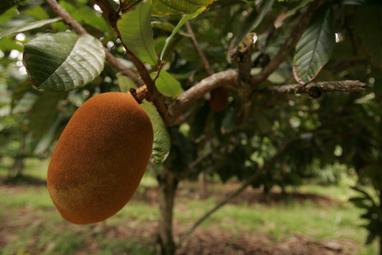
x=44, y=142
x=27, y=27
x=171, y=7
x=125, y=83
x=168, y=85
x=136, y=32
x=162, y=144
x=63, y=61
x=314, y=49
x=44, y=113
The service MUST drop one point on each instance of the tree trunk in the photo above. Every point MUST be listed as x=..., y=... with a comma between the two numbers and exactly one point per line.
x=168, y=184
x=17, y=167
x=203, y=185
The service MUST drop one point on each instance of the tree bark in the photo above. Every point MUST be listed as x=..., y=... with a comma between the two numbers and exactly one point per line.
x=168, y=184
x=17, y=167
x=203, y=185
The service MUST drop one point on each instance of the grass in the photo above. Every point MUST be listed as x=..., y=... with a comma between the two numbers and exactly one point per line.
x=36, y=228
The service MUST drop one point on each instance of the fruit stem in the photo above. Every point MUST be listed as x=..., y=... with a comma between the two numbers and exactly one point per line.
x=140, y=93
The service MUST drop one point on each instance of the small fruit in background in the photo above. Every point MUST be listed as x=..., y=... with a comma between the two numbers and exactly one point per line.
x=100, y=158
x=219, y=99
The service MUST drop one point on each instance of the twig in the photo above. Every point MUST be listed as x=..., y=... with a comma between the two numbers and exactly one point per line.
x=122, y=68
x=199, y=50
x=78, y=28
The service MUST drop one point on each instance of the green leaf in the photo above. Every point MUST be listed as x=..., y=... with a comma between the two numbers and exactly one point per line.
x=86, y=15
x=136, y=32
x=44, y=113
x=314, y=49
x=171, y=7
x=181, y=23
x=27, y=27
x=168, y=85
x=162, y=142
x=47, y=139
x=63, y=61
x=7, y=4
x=125, y=83
x=9, y=44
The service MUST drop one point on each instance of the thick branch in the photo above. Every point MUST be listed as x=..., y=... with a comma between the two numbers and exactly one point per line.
x=325, y=86
x=229, y=78
x=225, y=78
x=78, y=28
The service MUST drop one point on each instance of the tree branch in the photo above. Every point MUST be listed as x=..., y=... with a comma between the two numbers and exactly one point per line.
x=197, y=91
x=171, y=110
x=198, y=50
x=325, y=86
x=79, y=29
x=229, y=78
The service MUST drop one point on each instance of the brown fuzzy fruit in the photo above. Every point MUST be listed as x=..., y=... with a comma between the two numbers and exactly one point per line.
x=219, y=99
x=100, y=158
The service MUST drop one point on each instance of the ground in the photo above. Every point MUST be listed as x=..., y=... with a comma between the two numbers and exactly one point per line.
x=311, y=220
